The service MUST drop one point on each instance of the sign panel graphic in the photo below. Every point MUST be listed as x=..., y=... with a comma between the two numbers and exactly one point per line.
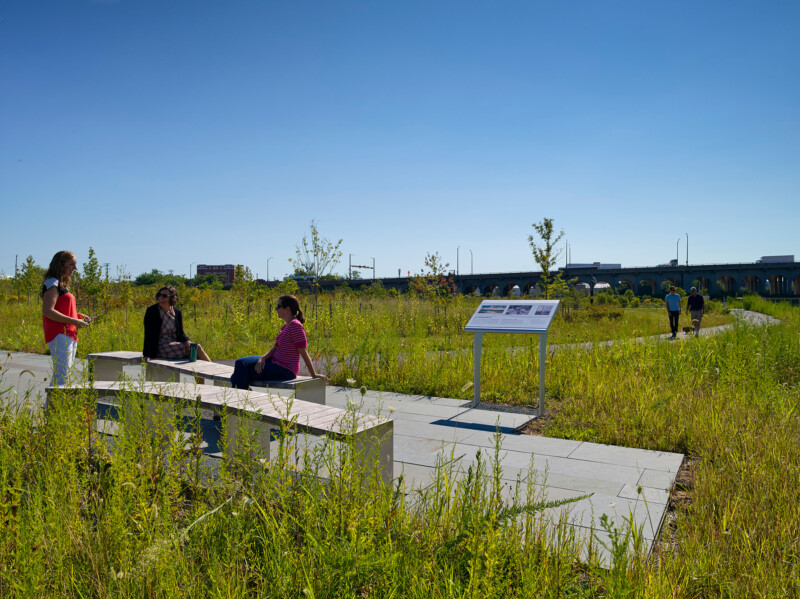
x=513, y=316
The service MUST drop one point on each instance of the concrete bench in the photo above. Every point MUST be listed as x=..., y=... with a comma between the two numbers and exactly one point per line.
x=108, y=367
x=253, y=413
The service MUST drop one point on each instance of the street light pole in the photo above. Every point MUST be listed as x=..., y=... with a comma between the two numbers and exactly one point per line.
x=268, y=259
x=470, y=263
x=687, y=249
x=373, y=268
x=677, y=249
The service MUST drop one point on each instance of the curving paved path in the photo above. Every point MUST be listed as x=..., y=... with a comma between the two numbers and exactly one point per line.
x=755, y=318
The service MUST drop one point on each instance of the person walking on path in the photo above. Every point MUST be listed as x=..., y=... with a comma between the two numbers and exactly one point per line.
x=673, y=301
x=282, y=362
x=696, y=307
x=60, y=317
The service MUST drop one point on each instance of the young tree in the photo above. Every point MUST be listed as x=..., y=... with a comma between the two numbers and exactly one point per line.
x=435, y=265
x=124, y=291
x=316, y=255
x=546, y=256
x=29, y=277
x=244, y=286
x=91, y=280
x=433, y=280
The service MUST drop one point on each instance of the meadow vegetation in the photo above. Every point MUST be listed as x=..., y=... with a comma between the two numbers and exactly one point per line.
x=410, y=343
x=79, y=522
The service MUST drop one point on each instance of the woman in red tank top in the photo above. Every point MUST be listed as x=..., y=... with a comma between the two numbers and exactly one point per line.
x=60, y=318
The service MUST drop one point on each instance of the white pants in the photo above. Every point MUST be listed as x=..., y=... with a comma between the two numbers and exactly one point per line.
x=62, y=350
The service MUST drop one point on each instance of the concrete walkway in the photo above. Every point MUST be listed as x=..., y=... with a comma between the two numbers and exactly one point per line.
x=629, y=485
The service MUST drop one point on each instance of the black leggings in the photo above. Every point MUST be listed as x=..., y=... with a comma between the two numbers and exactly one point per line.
x=673, y=321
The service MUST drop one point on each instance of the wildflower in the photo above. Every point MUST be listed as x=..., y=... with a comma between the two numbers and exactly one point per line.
x=467, y=387
x=363, y=391
x=351, y=382
x=392, y=409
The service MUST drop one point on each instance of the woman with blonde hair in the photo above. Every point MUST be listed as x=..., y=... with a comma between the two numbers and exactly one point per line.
x=282, y=361
x=60, y=317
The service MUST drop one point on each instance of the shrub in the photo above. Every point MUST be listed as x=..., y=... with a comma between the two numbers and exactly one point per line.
x=607, y=311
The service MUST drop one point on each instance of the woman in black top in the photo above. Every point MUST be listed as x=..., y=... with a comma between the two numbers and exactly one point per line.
x=163, y=329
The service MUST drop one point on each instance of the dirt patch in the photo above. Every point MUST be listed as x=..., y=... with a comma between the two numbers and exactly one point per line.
x=539, y=425
x=680, y=498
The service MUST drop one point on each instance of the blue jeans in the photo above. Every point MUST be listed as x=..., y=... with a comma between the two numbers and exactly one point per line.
x=244, y=372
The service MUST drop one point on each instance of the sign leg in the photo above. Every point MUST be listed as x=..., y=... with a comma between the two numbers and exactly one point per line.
x=542, y=358
x=477, y=360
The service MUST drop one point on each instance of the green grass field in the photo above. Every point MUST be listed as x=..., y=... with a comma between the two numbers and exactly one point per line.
x=78, y=523
x=405, y=344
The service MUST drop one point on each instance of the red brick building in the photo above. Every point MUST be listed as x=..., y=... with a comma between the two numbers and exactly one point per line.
x=226, y=271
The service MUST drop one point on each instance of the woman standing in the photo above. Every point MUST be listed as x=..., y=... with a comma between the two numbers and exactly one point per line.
x=163, y=329
x=60, y=318
x=282, y=362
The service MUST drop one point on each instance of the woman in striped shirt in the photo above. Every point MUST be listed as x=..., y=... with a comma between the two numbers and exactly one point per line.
x=282, y=362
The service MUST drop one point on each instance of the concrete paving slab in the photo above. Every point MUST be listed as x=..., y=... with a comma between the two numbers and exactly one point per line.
x=423, y=451
x=624, y=456
x=387, y=408
x=649, y=494
x=504, y=420
x=573, y=467
x=397, y=416
x=577, y=484
x=415, y=476
x=426, y=430
x=657, y=479
x=622, y=512
x=530, y=443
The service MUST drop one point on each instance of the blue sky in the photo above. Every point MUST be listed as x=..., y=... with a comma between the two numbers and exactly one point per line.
x=167, y=133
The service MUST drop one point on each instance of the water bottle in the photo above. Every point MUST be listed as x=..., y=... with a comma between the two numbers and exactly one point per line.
x=192, y=352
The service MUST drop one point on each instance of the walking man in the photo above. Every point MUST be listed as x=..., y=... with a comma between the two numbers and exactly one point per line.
x=673, y=301
x=696, y=307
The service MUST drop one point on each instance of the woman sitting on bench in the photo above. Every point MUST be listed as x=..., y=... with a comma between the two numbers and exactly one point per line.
x=163, y=329
x=282, y=362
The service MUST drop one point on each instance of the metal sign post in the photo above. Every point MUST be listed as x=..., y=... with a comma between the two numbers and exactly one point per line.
x=511, y=316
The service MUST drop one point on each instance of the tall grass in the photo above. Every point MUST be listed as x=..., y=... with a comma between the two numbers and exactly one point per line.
x=730, y=402
x=405, y=343
x=145, y=522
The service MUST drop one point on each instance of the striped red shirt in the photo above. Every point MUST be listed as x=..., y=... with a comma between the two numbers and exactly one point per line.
x=291, y=338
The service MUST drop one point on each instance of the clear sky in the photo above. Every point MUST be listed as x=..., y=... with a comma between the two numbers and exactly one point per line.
x=164, y=133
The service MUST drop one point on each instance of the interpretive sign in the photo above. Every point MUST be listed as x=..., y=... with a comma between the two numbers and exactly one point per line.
x=512, y=316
